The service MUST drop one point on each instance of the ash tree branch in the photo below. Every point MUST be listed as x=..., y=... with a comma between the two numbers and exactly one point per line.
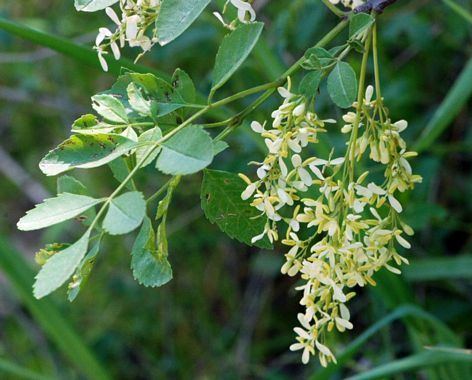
x=377, y=6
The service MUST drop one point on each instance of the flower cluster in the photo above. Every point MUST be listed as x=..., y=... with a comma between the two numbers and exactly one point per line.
x=343, y=226
x=284, y=175
x=348, y=3
x=137, y=16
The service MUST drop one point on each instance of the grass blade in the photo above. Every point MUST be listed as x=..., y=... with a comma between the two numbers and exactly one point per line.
x=428, y=358
x=459, y=10
x=448, y=110
x=357, y=344
x=58, y=330
x=78, y=52
x=88, y=56
x=441, y=268
x=19, y=372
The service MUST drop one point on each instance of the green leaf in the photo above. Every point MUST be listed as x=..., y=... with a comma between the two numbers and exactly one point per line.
x=219, y=146
x=110, y=108
x=60, y=267
x=233, y=51
x=317, y=58
x=69, y=184
x=137, y=101
x=187, y=152
x=222, y=204
x=90, y=125
x=120, y=171
x=310, y=84
x=447, y=111
x=175, y=16
x=431, y=357
x=87, y=121
x=149, y=268
x=85, y=151
x=93, y=5
x=342, y=85
x=164, y=98
x=83, y=271
x=163, y=206
x=183, y=84
x=151, y=136
x=405, y=312
x=439, y=268
x=125, y=213
x=56, y=210
x=356, y=45
x=163, y=109
x=358, y=23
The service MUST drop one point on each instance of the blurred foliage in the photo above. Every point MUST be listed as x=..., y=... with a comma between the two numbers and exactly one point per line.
x=228, y=313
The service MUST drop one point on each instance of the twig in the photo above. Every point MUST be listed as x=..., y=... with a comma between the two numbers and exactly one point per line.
x=55, y=103
x=377, y=6
x=35, y=192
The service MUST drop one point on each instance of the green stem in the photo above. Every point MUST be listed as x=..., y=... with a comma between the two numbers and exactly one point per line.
x=243, y=94
x=333, y=8
x=159, y=192
x=360, y=102
x=376, y=64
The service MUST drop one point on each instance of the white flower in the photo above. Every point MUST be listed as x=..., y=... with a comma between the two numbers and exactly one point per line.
x=302, y=172
x=113, y=16
x=250, y=189
x=102, y=60
x=132, y=27
x=244, y=8
x=395, y=203
x=102, y=34
x=257, y=127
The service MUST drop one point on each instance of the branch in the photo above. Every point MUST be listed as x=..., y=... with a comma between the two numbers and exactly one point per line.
x=35, y=192
x=333, y=8
x=377, y=6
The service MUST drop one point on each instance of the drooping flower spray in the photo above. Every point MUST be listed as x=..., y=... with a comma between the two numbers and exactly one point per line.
x=341, y=225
